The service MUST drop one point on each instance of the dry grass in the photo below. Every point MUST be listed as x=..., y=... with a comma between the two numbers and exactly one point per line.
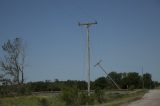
x=124, y=100
x=113, y=99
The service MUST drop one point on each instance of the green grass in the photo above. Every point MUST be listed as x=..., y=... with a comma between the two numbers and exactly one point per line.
x=31, y=101
x=113, y=98
x=124, y=99
x=20, y=101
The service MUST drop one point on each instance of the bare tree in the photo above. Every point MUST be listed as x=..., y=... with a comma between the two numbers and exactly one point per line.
x=12, y=65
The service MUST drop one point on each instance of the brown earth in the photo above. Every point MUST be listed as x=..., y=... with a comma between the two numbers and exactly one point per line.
x=152, y=98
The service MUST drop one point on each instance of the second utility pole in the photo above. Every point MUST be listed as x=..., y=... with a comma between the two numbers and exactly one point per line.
x=88, y=51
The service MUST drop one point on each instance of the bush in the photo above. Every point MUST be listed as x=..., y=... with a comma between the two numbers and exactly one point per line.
x=84, y=99
x=23, y=90
x=5, y=91
x=132, y=87
x=70, y=96
x=44, y=102
x=100, y=96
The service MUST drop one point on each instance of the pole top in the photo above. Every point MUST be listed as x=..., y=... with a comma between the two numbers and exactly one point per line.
x=87, y=23
x=98, y=63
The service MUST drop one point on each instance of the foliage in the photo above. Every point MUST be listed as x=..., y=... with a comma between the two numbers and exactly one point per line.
x=73, y=92
x=131, y=80
x=12, y=65
x=117, y=77
x=100, y=83
x=44, y=101
x=55, y=100
x=100, y=95
x=131, y=87
x=147, y=78
x=4, y=91
x=56, y=85
x=70, y=96
x=23, y=90
x=73, y=97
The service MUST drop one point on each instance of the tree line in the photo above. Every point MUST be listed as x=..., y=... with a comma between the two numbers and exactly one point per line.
x=12, y=75
x=130, y=80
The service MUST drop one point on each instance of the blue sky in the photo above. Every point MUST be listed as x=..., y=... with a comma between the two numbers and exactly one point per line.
x=126, y=37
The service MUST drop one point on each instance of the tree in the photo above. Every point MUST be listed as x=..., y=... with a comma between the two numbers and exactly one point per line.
x=133, y=80
x=100, y=82
x=147, y=80
x=116, y=77
x=12, y=65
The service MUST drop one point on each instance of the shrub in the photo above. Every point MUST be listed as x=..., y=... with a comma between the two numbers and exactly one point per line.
x=70, y=96
x=5, y=91
x=23, y=90
x=132, y=87
x=84, y=99
x=73, y=97
x=44, y=102
x=100, y=95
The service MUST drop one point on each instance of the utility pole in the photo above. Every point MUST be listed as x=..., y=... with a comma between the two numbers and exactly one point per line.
x=87, y=25
x=142, y=79
x=99, y=65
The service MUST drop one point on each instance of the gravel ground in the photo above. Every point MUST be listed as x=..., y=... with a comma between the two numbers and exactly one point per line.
x=152, y=98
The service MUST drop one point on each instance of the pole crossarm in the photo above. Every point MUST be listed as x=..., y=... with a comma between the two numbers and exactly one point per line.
x=88, y=24
x=98, y=63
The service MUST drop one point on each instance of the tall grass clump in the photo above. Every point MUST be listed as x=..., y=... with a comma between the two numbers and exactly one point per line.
x=75, y=97
x=100, y=96
x=70, y=96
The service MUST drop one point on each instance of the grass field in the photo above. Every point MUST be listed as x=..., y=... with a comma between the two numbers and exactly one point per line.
x=31, y=101
x=124, y=99
x=114, y=98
